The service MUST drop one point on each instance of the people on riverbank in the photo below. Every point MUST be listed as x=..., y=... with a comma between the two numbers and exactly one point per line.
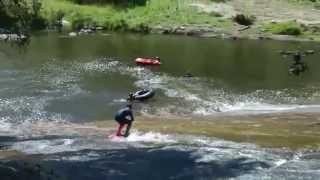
x=124, y=117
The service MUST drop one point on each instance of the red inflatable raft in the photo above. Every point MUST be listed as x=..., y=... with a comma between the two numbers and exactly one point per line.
x=147, y=61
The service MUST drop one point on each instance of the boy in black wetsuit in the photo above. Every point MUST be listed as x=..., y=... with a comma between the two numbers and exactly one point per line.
x=124, y=117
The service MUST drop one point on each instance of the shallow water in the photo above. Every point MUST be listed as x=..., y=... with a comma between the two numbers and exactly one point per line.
x=153, y=155
x=59, y=82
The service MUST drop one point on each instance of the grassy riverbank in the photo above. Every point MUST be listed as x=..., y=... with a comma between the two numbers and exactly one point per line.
x=271, y=19
x=155, y=13
x=294, y=131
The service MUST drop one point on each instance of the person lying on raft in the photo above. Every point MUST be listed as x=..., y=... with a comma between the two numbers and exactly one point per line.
x=124, y=117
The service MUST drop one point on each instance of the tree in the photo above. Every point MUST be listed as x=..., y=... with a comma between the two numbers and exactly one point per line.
x=20, y=16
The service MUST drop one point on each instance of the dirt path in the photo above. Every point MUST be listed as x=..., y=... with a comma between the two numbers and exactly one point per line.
x=264, y=10
x=277, y=10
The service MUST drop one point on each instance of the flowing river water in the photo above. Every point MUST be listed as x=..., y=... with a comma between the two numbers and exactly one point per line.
x=57, y=83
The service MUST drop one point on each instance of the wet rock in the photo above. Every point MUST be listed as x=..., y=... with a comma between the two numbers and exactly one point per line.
x=87, y=31
x=243, y=28
x=309, y=52
x=234, y=37
x=286, y=38
x=200, y=31
x=160, y=30
x=99, y=28
x=209, y=35
x=65, y=23
x=285, y=52
x=73, y=34
x=12, y=37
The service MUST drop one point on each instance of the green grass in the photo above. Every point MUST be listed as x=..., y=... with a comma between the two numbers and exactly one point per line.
x=284, y=28
x=164, y=12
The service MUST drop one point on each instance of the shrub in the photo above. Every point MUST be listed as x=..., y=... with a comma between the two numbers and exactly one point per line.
x=285, y=28
x=117, y=24
x=80, y=22
x=141, y=28
x=20, y=16
x=244, y=19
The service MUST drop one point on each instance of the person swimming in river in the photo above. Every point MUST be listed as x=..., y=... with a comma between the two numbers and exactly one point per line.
x=298, y=66
x=124, y=117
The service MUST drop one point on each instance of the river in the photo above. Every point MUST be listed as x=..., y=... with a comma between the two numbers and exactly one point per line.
x=57, y=83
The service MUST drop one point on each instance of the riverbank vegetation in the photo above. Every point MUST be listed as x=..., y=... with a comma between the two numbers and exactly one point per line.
x=21, y=16
x=130, y=18
x=285, y=28
x=218, y=17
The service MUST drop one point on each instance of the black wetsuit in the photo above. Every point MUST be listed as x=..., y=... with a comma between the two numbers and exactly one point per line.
x=124, y=116
x=297, y=57
x=297, y=67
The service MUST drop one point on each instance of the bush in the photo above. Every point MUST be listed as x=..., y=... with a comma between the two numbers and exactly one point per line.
x=244, y=19
x=20, y=16
x=38, y=23
x=141, y=28
x=81, y=22
x=285, y=28
x=117, y=24
x=55, y=18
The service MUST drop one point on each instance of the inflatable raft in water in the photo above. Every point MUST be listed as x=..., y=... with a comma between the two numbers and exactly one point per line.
x=148, y=61
x=143, y=94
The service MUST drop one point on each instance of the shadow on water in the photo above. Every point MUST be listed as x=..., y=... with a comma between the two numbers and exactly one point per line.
x=133, y=164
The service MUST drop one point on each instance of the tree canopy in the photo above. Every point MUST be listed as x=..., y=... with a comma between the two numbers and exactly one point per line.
x=20, y=16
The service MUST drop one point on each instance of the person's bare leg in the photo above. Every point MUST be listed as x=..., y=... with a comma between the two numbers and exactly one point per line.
x=120, y=127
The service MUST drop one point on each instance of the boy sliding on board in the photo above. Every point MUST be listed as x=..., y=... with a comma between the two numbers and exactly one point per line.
x=124, y=117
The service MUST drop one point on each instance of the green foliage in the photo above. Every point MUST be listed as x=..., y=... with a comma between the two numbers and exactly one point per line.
x=80, y=21
x=138, y=19
x=55, y=19
x=244, y=19
x=285, y=28
x=114, y=2
x=117, y=25
x=20, y=16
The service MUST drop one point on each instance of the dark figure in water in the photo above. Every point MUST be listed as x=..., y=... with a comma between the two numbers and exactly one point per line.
x=124, y=117
x=188, y=75
x=130, y=97
x=298, y=66
x=297, y=57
